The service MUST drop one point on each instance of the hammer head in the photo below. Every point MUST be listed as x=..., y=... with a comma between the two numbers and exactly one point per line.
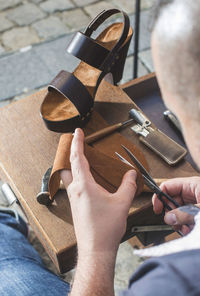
x=139, y=117
x=43, y=198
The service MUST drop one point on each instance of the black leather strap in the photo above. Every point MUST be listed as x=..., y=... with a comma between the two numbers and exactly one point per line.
x=91, y=52
x=87, y=50
x=73, y=89
x=101, y=17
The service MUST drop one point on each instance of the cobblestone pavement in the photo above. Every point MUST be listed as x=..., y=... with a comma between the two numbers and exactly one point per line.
x=27, y=22
x=33, y=38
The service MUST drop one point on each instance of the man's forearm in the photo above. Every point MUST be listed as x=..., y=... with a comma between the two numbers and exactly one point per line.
x=94, y=275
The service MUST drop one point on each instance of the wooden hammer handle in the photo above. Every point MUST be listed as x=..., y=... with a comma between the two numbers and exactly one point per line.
x=102, y=133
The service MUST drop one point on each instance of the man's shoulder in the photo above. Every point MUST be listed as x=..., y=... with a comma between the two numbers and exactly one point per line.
x=175, y=273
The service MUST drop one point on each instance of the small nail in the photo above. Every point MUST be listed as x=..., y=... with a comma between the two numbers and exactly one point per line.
x=170, y=219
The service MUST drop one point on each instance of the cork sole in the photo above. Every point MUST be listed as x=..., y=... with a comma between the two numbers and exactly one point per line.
x=55, y=106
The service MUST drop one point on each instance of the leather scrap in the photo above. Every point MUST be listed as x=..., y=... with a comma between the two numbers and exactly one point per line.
x=106, y=168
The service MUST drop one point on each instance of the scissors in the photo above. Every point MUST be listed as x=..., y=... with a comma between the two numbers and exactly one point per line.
x=149, y=182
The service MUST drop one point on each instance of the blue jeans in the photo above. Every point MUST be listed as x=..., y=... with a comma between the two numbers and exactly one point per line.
x=22, y=272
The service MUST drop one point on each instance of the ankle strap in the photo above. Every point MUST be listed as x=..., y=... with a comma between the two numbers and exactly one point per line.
x=101, y=17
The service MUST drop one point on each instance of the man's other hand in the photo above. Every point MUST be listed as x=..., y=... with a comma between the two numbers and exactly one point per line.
x=184, y=191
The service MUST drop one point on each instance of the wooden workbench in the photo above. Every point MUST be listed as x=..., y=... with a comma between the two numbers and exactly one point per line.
x=27, y=150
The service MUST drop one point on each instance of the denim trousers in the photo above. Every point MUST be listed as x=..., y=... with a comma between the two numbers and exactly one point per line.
x=22, y=272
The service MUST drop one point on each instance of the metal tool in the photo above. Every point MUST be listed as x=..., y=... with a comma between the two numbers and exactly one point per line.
x=139, y=117
x=150, y=228
x=173, y=119
x=149, y=181
x=43, y=196
x=9, y=194
x=142, y=122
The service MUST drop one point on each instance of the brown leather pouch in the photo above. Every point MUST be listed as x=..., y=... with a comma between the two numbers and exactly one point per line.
x=164, y=146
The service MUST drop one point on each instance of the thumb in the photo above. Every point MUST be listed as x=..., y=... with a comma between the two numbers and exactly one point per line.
x=128, y=186
x=178, y=217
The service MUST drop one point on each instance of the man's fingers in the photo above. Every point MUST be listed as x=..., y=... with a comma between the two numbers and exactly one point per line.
x=79, y=164
x=128, y=186
x=174, y=188
x=178, y=217
x=187, y=188
x=157, y=205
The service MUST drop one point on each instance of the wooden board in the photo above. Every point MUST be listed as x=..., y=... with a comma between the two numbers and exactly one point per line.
x=27, y=149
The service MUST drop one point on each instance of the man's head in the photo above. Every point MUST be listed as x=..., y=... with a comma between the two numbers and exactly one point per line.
x=176, y=55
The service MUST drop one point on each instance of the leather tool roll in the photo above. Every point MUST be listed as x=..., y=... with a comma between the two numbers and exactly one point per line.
x=106, y=169
x=164, y=146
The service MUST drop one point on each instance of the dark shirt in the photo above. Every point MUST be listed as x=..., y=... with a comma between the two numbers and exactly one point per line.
x=175, y=274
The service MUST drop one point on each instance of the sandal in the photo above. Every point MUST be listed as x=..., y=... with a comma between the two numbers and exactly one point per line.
x=70, y=98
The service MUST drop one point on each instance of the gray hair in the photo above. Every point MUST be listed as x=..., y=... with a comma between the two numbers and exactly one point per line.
x=177, y=32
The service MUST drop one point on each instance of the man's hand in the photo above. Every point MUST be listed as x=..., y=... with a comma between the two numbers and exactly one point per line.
x=99, y=217
x=184, y=191
x=99, y=220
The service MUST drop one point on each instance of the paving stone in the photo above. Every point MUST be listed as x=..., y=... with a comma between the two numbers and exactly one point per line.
x=146, y=4
x=147, y=60
x=96, y=8
x=2, y=50
x=4, y=4
x=128, y=70
x=50, y=27
x=145, y=33
x=129, y=6
x=19, y=37
x=25, y=14
x=26, y=93
x=70, y=19
x=51, y=6
x=126, y=5
x=5, y=24
x=36, y=1
x=84, y=2
x=25, y=71
x=53, y=55
x=22, y=71
x=126, y=264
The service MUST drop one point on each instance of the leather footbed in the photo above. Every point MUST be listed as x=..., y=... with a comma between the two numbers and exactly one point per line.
x=55, y=106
